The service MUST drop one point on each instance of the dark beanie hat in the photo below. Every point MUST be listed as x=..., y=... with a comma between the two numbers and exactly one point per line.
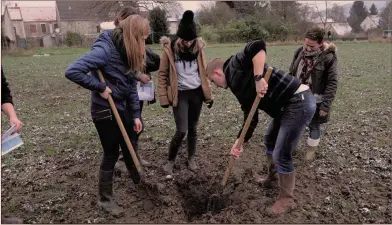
x=187, y=27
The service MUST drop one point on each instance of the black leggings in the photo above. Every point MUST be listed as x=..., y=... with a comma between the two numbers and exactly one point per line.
x=186, y=116
x=111, y=140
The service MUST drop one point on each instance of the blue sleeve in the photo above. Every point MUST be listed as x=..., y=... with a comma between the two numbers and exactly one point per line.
x=133, y=100
x=95, y=59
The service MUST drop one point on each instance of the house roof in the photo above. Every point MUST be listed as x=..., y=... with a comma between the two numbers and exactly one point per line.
x=372, y=19
x=30, y=14
x=341, y=28
x=14, y=13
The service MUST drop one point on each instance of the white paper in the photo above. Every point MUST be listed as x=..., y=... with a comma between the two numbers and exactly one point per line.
x=145, y=91
x=10, y=141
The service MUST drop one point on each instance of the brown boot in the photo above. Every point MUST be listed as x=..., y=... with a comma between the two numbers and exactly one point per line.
x=285, y=200
x=310, y=153
x=271, y=176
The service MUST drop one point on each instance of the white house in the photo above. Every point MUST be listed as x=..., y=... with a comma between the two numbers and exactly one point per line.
x=370, y=22
x=173, y=24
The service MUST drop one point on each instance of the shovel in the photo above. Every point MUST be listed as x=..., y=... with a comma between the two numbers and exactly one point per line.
x=122, y=128
x=214, y=200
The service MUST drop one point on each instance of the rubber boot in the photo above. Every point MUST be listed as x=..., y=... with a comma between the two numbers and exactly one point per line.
x=285, y=200
x=175, y=145
x=105, y=189
x=271, y=175
x=312, y=148
x=132, y=171
x=191, y=144
x=11, y=221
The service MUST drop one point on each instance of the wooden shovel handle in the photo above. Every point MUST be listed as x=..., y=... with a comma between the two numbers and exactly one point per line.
x=245, y=128
x=122, y=128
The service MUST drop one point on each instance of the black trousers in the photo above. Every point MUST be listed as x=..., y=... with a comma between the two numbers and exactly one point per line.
x=186, y=116
x=111, y=140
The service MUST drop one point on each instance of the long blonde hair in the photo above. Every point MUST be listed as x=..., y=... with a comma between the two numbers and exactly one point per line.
x=135, y=28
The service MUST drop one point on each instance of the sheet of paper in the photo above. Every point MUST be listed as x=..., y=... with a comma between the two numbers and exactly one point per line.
x=8, y=132
x=10, y=141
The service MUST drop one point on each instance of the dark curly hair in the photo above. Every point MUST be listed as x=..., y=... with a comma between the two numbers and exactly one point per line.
x=315, y=34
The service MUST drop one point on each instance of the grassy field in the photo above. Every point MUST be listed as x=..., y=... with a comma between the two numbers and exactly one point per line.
x=52, y=178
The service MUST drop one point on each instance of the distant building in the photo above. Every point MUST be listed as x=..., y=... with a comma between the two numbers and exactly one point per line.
x=370, y=22
x=337, y=29
x=29, y=24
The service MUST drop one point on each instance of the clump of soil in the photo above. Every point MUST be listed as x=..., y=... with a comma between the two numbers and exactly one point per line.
x=201, y=195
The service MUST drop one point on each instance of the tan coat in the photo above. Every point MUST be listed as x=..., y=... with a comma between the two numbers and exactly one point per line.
x=167, y=75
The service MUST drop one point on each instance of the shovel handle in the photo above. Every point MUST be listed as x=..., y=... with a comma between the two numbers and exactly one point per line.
x=245, y=128
x=122, y=128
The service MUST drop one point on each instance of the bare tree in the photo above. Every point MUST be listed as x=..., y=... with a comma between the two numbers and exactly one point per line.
x=218, y=14
x=337, y=13
x=285, y=10
x=245, y=8
x=324, y=21
x=386, y=17
x=108, y=9
x=306, y=14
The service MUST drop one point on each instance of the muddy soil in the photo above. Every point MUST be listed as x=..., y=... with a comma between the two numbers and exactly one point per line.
x=59, y=189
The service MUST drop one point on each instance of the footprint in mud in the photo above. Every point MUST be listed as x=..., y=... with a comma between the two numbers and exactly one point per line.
x=201, y=197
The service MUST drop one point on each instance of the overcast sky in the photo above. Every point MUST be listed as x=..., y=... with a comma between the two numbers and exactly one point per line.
x=192, y=5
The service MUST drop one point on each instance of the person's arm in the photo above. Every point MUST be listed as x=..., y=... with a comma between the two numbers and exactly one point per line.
x=291, y=68
x=133, y=101
x=163, y=76
x=6, y=96
x=256, y=50
x=331, y=86
x=93, y=60
x=152, y=62
x=7, y=104
x=258, y=63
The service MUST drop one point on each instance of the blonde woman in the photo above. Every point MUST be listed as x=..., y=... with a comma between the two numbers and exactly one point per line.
x=119, y=54
x=183, y=84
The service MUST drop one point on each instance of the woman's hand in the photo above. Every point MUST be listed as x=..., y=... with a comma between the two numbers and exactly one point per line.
x=138, y=125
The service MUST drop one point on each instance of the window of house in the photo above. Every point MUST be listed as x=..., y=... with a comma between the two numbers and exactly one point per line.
x=98, y=29
x=33, y=28
x=55, y=26
x=43, y=28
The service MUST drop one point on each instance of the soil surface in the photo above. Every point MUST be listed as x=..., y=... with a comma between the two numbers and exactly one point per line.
x=53, y=177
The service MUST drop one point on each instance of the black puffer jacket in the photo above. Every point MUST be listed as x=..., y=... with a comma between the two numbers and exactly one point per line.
x=324, y=78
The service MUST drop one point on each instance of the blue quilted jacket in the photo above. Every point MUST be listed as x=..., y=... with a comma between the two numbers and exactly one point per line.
x=104, y=56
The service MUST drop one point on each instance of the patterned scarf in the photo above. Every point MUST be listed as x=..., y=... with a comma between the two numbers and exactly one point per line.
x=307, y=63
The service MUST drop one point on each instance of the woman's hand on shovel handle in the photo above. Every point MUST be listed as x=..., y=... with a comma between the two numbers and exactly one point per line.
x=105, y=94
x=236, y=149
x=138, y=125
